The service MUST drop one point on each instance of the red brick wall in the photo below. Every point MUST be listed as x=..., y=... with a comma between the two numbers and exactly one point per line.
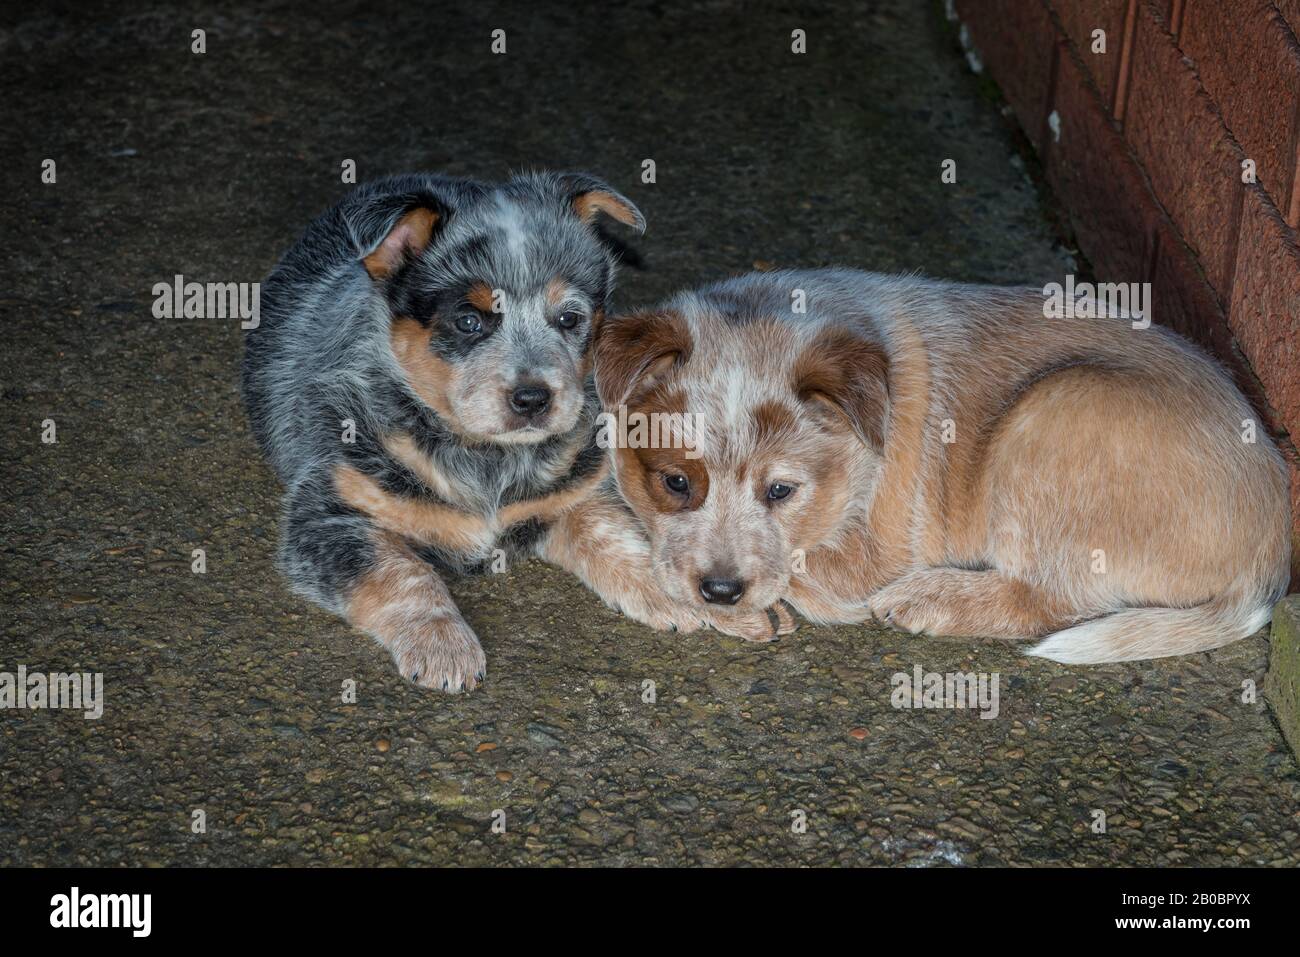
x=1144, y=145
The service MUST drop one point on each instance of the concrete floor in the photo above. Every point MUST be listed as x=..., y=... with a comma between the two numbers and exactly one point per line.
x=223, y=690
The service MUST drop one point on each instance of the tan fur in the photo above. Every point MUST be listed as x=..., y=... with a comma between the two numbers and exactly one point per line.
x=410, y=234
x=429, y=376
x=480, y=348
x=633, y=352
x=589, y=357
x=587, y=205
x=556, y=290
x=415, y=519
x=404, y=604
x=403, y=448
x=550, y=507
x=968, y=604
x=1096, y=480
x=604, y=546
x=848, y=376
x=480, y=297
x=1178, y=517
x=470, y=397
x=434, y=524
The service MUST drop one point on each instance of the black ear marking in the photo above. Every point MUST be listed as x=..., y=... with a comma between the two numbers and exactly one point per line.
x=625, y=254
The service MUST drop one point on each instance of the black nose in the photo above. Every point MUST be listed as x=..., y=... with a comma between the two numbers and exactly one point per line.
x=722, y=591
x=530, y=400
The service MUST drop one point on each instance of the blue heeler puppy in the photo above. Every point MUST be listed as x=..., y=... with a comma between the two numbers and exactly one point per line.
x=421, y=382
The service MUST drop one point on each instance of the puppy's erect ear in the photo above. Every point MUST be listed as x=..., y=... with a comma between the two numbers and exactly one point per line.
x=845, y=379
x=408, y=237
x=590, y=196
x=634, y=350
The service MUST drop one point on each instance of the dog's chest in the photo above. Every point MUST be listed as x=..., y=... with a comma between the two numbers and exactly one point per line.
x=477, y=507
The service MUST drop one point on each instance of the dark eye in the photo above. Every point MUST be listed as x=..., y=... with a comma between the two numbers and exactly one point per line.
x=778, y=490
x=469, y=323
x=567, y=320
x=677, y=484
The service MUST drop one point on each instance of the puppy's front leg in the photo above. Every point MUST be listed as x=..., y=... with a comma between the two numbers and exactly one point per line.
x=403, y=603
x=601, y=542
x=833, y=583
x=340, y=559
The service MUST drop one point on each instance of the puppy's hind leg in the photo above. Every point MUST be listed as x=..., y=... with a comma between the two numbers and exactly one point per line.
x=964, y=603
x=370, y=576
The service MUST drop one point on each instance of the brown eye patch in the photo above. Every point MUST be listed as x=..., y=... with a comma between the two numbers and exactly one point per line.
x=653, y=464
x=656, y=464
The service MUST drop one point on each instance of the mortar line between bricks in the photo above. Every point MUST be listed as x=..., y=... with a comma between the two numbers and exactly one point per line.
x=1234, y=252
x=1293, y=207
x=1123, y=82
x=1053, y=73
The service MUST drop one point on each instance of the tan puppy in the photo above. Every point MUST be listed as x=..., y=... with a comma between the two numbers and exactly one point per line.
x=950, y=460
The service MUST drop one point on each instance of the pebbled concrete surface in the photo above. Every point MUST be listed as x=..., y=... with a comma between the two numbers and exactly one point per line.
x=223, y=690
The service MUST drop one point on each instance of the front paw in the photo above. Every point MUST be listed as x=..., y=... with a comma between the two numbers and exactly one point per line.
x=664, y=615
x=442, y=653
x=899, y=606
x=766, y=625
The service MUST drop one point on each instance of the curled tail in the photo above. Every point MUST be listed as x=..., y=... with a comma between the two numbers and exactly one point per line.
x=1136, y=633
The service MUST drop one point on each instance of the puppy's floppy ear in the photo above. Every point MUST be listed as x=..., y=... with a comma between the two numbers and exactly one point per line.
x=590, y=196
x=844, y=379
x=409, y=236
x=392, y=219
x=634, y=350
